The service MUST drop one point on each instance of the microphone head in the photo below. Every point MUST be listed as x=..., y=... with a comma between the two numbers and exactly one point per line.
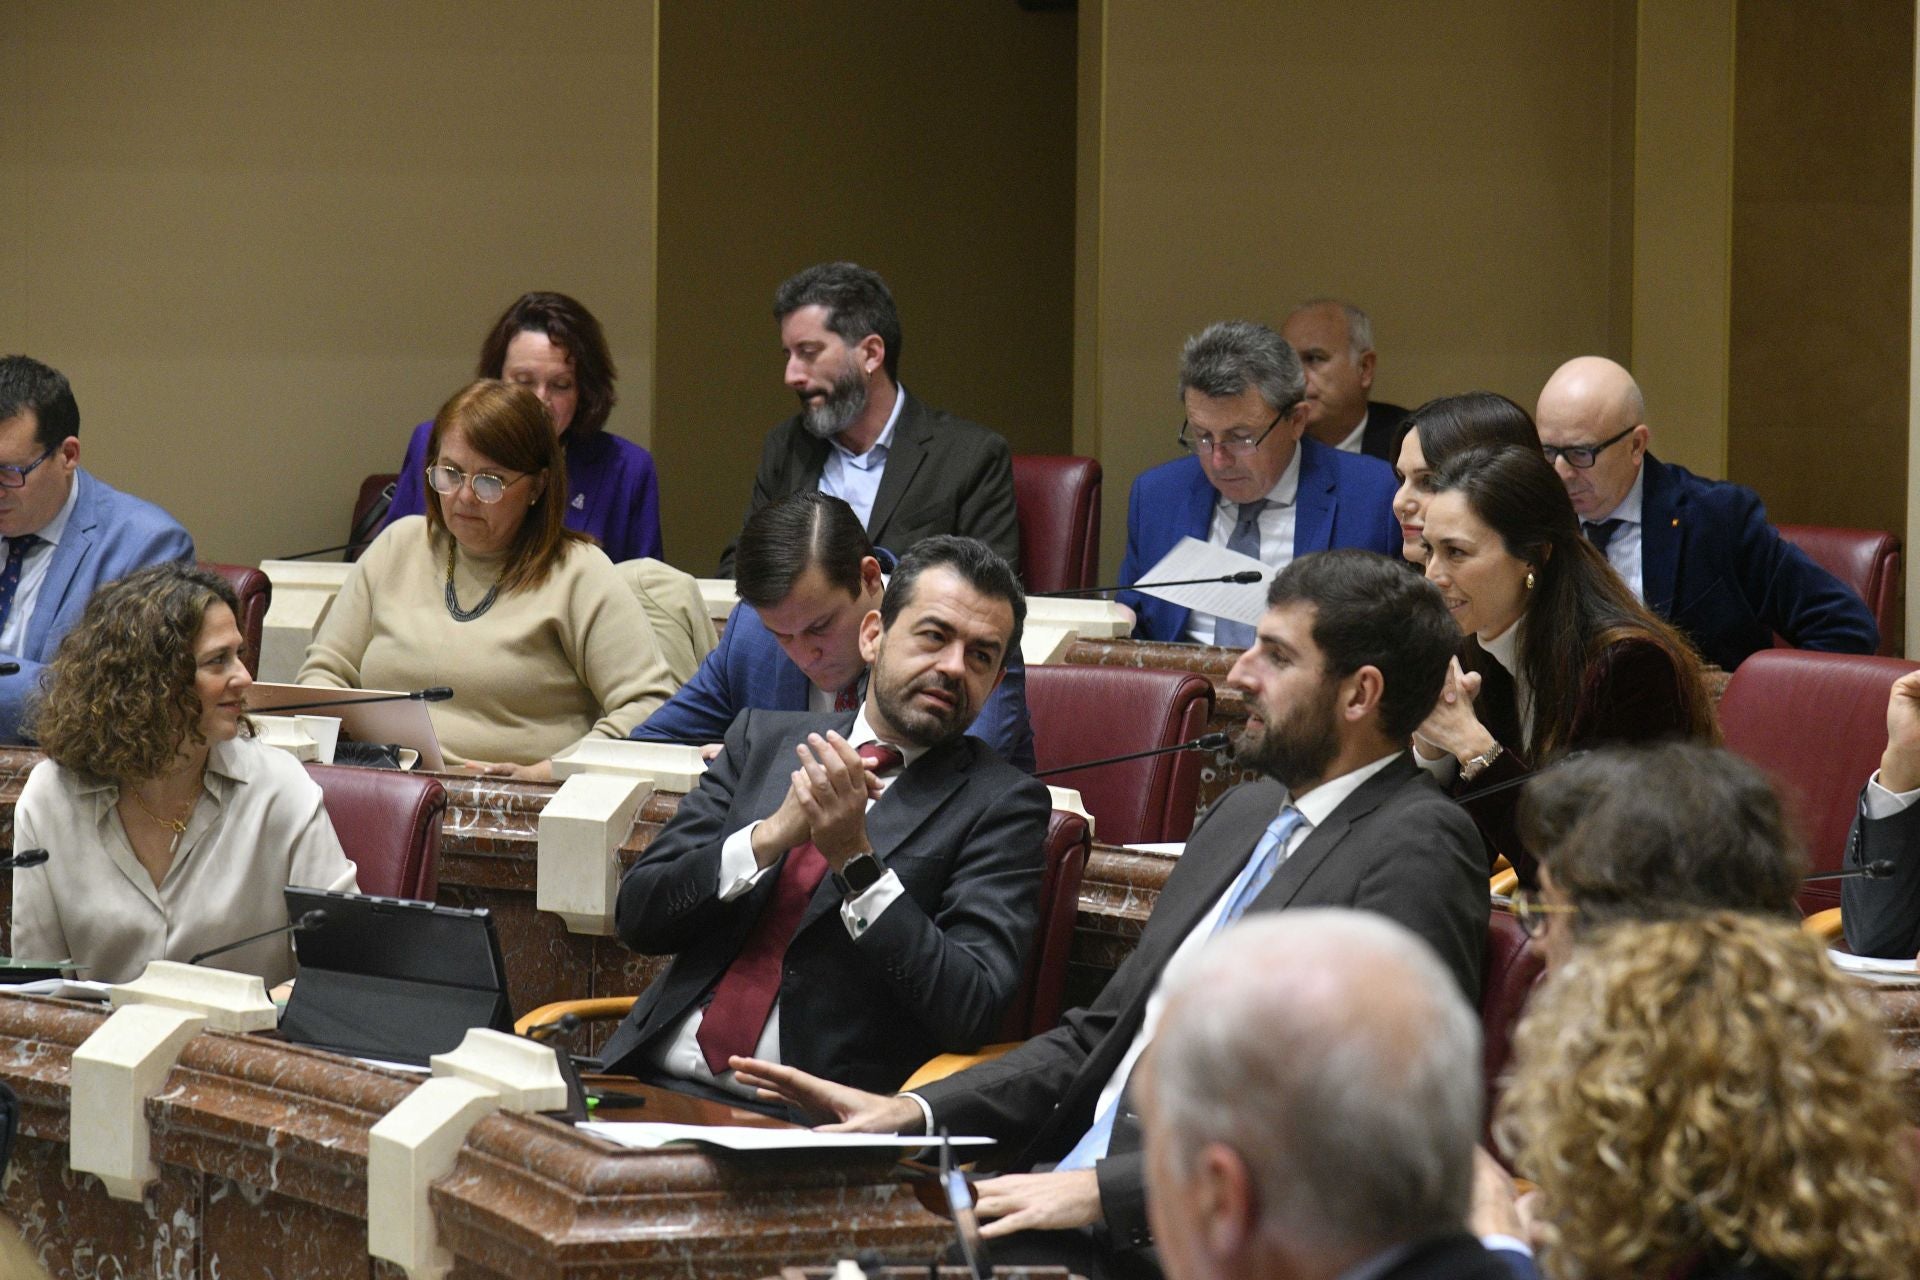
x=1878, y=869
x=1215, y=741
x=310, y=920
x=34, y=857
x=437, y=693
x=1246, y=575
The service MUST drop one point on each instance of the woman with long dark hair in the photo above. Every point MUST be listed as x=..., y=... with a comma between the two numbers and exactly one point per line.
x=1435, y=432
x=1557, y=655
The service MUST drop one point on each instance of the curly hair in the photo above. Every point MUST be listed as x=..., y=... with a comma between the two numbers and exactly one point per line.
x=118, y=699
x=1710, y=1088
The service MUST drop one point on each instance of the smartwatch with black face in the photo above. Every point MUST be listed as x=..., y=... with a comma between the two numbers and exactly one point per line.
x=860, y=874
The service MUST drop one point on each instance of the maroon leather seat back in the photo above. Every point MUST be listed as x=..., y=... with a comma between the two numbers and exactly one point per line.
x=1816, y=722
x=1513, y=965
x=1868, y=560
x=1085, y=713
x=1036, y=1007
x=372, y=490
x=255, y=593
x=389, y=824
x=1058, y=500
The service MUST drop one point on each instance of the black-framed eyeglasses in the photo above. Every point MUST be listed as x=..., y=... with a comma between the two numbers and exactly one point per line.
x=12, y=477
x=1234, y=446
x=487, y=487
x=1582, y=456
x=1531, y=914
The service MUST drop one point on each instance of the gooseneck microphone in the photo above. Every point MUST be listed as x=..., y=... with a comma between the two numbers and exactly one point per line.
x=313, y=919
x=24, y=858
x=1878, y=869
x=1205, y=742
x=1242, y=578
x=436, y=693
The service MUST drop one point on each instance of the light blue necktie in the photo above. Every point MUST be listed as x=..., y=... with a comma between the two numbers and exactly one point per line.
x=1246, y=540
x=1254, y=877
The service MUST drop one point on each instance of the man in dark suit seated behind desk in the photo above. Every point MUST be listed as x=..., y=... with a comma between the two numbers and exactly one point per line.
x=1350, y=656
x=871, y=908
x=807, y=578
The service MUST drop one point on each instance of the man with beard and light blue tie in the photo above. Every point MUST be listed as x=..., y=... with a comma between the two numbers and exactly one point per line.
x=1251, y=482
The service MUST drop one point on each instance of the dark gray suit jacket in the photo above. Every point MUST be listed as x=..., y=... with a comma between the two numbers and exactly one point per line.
x=1397, y=846
x=943, y=475
x=962, y=829
x=1882, y=917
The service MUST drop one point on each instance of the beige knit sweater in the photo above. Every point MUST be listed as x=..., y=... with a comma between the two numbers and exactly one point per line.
x=543, y=668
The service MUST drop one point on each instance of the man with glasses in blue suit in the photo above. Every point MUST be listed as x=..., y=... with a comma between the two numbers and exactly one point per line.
x=1699, y=552
x=66, y=532
x=1250, y=481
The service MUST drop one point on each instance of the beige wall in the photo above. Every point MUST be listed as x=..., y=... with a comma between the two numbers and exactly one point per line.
x=1823, y=170
x=264, y=241
x=1448, y=167
x=933, y=143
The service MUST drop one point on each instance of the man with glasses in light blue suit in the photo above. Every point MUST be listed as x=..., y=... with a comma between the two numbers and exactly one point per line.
x=1250, y=482
x=66, y=532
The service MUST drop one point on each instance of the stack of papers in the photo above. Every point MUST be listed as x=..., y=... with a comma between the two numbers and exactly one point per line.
x=63, y=989
x=1873, y=969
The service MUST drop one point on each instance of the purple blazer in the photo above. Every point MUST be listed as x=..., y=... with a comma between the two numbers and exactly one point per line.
x=614, y=498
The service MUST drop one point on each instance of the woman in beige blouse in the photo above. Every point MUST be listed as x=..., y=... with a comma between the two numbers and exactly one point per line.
x=540, y=638
x=170, y=829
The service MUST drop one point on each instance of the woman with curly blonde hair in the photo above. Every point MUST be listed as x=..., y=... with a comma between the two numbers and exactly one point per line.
x=1709, y=1098
x=171, y=830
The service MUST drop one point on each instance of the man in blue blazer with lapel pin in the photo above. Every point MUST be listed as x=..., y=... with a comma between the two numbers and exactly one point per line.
x=1699, y=552
x=1249, y=482
x=67, y=532
x=807, y=576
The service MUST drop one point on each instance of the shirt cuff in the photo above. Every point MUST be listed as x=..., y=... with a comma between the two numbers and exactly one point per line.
x=858, y=913
x=739, y=871
x=1506, y=1244
x=1443, y=767
x=1882, y=803
x=926, y=1113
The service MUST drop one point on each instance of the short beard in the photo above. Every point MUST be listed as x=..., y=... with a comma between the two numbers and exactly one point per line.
x=925, y=729
x=1298, y=750
x=843, y=403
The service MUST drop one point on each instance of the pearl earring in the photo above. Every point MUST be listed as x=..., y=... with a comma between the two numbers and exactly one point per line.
x=1529, y=579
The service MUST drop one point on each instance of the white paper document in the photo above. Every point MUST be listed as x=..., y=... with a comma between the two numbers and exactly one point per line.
x=1874, y=970
x=745, y=1138
x=63, y=989
x=1192, y=558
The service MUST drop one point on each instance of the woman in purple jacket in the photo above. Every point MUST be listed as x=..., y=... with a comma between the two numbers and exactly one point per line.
x=552, y=345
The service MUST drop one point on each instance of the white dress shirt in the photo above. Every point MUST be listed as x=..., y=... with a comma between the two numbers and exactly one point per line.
x=855, y=477
x=680, y=1053
x=1352, y=443
x=33, y=572
x=259, y=826
x=1315, y=807
x=1276, y=535
x=1882, y=803
x=1623, y=552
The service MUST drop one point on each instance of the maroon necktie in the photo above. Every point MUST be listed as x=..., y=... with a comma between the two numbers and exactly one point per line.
x=848, y=699
x=744, y=997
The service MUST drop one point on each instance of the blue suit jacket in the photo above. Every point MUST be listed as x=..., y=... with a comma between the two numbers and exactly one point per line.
x=749, y=669
x=1713, y=566
x=109, y=536
x=1344, y=500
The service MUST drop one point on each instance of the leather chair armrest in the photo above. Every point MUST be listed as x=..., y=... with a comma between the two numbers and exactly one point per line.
x=1501, y=884
x=947, y=1063
x=1824, y=925
x=603, y=1009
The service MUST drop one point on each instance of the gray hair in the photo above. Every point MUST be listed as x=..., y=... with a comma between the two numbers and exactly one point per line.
x=1334, y=1052
x=1226, y=358
x=1359, y=326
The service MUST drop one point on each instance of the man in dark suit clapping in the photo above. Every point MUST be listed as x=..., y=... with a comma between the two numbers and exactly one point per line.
x=872, y=907
x=1350, y=656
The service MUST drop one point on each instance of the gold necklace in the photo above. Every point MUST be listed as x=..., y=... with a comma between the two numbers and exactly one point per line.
x=179, y=828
